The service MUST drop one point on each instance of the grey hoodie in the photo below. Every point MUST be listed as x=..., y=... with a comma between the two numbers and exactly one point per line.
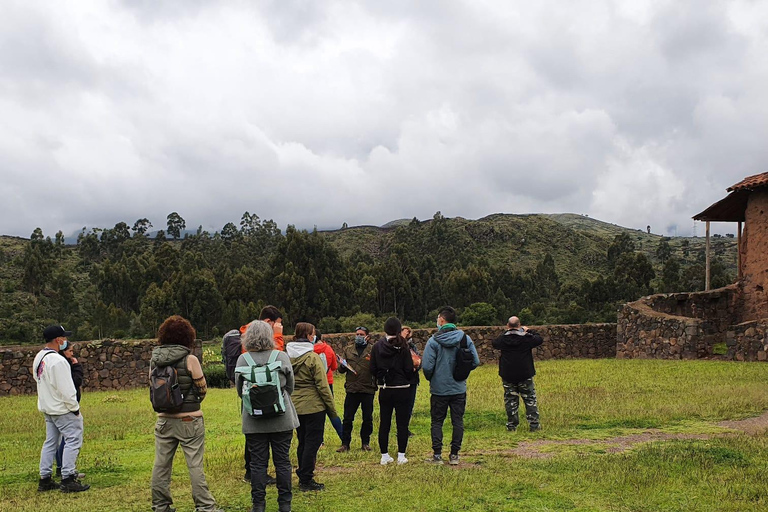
x=439, y=360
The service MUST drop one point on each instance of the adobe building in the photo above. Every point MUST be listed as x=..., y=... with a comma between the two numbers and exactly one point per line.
x=730, y=322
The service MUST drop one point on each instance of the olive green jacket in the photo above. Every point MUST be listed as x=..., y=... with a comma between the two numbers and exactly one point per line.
x=311, y=393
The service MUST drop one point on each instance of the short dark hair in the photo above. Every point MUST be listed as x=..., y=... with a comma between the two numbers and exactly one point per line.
x=318, y=334
x=448, y=314
x=177, y=330
x=392, y=326
x=270, y=313
x=303, y=330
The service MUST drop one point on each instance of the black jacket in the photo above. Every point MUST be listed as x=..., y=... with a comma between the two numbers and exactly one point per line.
x=516, y=363
x=77, y=377
x=390, y=365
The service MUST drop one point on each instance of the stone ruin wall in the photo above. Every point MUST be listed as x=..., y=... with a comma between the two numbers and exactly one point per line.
x=755, y=258
x=689, y=326
x=107, y=365
x=114, y=365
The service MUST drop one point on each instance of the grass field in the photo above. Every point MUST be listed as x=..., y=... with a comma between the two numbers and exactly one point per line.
x=693, y=465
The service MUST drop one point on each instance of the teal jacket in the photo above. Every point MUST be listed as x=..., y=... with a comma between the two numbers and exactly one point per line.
x=440, y=358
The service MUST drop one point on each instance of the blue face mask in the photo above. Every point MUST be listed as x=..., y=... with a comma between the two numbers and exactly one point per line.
x=360, y=340
x=313, y=339
x=64, y=345
x=438, y=324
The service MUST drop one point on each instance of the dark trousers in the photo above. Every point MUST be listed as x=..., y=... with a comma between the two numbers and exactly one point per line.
x=439, y=406
x=413, y=389
x=310, y=436
x=258, y=446
x=399, y=401
x=351, y=403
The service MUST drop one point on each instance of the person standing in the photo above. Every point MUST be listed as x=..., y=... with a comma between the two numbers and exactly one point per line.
x=516, y=370
x=276, y=432
x=360, y=387
x=76, y=370
x=326, y=353
x=57, y=400
x=313, y=400
x=273, y=316
x=392, y=366
x=185, y=427
x=446, y=392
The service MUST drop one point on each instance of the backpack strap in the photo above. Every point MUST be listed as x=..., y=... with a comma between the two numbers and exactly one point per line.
x=273, y=356
x=50, y=351
x=249, y=359
x=463, y=342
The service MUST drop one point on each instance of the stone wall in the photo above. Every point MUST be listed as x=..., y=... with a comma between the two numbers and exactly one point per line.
x=677, y=325
x=560, y=341
x=107, y=365
x=748, y=341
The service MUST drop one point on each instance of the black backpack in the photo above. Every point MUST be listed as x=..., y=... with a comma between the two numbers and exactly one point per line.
x=465, y=361
x=164, y=391
x=231, y=349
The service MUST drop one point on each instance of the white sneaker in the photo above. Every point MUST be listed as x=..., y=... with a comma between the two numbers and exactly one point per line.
x=386, y=459
x=401, y=458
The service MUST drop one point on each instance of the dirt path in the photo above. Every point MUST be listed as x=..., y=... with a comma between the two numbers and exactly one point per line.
x=756, y=425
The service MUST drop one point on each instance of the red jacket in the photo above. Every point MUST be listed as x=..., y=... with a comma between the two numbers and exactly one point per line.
x=322, y=347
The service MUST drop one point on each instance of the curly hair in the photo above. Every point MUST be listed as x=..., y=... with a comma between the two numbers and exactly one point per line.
x=258, y=337
x=176, y=330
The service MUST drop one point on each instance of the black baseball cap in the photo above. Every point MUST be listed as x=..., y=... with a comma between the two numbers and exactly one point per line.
x=361, y=329
x=55, y=331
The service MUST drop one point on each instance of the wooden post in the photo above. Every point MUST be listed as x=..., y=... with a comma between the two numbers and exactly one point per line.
x=738, y=251
x=706, y=281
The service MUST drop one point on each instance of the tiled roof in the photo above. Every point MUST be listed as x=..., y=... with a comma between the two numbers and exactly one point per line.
x=756, y=181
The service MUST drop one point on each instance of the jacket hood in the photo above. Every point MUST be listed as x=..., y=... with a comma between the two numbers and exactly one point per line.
x=514, y=337
x=388, y=348
x=450, y=338
x=166, y=355
x=298, y=348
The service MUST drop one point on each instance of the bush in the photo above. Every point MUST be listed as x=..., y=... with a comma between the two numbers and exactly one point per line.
x=216, y=375
x=479, y=313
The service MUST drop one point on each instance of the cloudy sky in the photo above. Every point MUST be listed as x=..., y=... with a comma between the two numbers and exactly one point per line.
x=323, y=112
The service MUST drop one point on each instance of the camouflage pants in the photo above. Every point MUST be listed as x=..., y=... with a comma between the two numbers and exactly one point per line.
x=526, y=391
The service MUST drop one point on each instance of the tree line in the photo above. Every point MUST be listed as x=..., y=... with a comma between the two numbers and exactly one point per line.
x=122, y=281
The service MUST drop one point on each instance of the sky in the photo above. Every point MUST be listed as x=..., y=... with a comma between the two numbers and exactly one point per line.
x=319, y=113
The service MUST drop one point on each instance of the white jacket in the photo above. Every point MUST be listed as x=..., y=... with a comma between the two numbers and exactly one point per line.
x=56, y=394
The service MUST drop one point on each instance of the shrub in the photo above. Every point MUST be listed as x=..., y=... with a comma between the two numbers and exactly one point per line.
x=479, y=313
x=216, y=375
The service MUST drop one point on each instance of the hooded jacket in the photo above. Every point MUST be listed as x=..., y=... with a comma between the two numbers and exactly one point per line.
x=322, y=347
x=176, y=356
x=440, y=358
x=516, y=362
x=391, y=366
x=311, y=393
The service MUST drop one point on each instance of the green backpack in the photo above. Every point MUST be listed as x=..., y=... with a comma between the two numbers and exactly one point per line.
x=261, y=392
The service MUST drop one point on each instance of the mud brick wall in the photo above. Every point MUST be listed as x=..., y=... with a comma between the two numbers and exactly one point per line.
x=107, y=365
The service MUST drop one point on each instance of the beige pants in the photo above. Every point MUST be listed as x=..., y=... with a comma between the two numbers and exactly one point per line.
x=190, y=433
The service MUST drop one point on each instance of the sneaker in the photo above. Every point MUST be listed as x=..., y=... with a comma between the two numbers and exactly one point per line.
x=401, y=459
x=535, y=428
x=512, y=428
x=386, y=459
x=435, y=459
x=453, y=459
x=311, y=486
x=343, y=448
x=47, y=484
x=72, y=484
x=271, y=480
x=366, y=448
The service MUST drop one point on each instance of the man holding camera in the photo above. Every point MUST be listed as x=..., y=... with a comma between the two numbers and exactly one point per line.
x=516, y=371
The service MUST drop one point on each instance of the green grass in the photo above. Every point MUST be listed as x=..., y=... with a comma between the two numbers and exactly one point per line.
x=578, y=399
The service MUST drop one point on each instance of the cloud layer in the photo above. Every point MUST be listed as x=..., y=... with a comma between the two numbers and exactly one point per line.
x=319, y=113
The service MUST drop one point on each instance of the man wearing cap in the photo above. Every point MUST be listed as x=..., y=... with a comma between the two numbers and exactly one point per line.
x=360, y=387
x=57, y=400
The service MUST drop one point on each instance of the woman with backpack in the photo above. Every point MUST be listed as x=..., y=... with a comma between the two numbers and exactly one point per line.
x=313, y=399
x=178, y=424
x=263, y=432
x=392, y=366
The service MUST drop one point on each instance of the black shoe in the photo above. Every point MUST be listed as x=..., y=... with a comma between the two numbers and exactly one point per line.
x=411, y=434
x=261, y=507
x=47, y=484
x=535, y=428
x=72, y=484
x=311, y=486
x=247, y=478
x=512, y=428
x=58, y=472
x=271, y=480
